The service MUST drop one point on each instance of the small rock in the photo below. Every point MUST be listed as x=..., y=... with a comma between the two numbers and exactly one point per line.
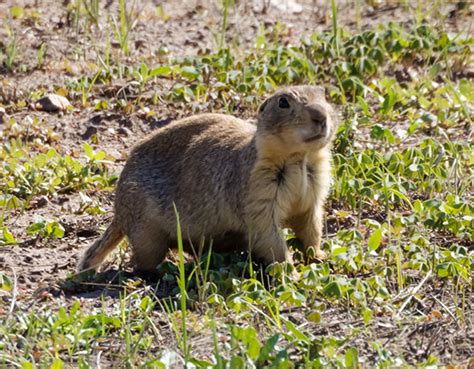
x=143, y=113
x=53, y=103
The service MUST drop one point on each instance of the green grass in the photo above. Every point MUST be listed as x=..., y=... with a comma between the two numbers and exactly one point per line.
x=400, y=219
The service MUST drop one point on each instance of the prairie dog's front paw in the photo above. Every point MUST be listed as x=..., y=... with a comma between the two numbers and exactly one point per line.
x=315, y=254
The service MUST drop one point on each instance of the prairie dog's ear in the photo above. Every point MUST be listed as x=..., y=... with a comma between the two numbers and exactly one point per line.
x=320, y=92
x=312, y=91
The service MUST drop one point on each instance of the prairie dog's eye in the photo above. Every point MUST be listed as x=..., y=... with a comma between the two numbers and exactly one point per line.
x=283, y=103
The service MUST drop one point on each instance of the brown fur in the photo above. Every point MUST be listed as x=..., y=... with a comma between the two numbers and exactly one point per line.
x=232, y=181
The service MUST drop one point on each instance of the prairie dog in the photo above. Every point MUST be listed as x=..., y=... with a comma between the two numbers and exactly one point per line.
x=232, y=181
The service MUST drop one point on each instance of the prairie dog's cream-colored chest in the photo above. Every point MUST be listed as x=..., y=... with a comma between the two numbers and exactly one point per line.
x=295, y=186
x=303, y=183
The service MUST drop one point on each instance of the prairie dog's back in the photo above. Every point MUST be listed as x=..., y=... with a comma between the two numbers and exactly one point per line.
x=201, y=163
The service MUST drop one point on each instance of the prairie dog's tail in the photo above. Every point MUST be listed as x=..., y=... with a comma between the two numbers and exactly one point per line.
x=97, y=252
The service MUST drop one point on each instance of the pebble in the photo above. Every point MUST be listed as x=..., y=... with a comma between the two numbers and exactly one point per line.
x=53, y=103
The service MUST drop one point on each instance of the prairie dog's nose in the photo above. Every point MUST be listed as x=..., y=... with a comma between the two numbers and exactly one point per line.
x=318, y=114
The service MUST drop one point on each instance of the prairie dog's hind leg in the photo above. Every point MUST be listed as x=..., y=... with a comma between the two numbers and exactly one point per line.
x=149, y=247
x=272, y=249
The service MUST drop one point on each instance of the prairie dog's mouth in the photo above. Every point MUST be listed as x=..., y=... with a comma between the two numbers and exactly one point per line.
x=314, y=137
x=313, y=133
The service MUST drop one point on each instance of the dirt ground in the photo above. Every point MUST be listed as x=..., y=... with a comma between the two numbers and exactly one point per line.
x=40, y=266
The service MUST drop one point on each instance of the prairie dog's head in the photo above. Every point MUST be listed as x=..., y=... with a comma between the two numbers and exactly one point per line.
x=296, y=119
